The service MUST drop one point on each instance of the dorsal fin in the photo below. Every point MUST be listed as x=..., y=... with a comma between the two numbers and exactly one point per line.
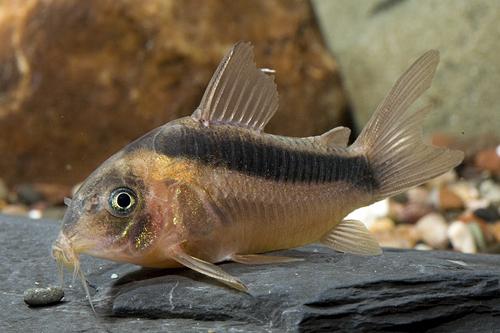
x=339, y=136
x=239, y=93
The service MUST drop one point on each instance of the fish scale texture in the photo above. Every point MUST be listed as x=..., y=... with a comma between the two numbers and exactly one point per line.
x=400, y=291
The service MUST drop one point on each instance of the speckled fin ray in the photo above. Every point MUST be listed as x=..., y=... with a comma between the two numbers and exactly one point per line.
x=239, y=93
x=261, y=259
x=205, y=268
x=351, y=236
x=339, y=136
x=392, y=140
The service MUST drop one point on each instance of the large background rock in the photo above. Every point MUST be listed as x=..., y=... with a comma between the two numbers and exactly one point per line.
x=80, y=79
x=400, y=291
x=375, y=41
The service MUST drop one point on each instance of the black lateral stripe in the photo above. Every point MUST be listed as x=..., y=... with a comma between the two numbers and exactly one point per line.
x=252, y=156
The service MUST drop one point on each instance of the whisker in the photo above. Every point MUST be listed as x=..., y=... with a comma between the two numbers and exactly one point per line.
x=87, y=292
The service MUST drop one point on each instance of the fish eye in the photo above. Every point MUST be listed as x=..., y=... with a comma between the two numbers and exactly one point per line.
x=122, y=201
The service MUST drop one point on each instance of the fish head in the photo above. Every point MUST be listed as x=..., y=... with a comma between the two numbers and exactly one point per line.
x=118, y=213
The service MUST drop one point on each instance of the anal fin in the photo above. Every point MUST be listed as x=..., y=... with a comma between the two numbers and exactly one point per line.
x=205, y=268
x=261, y=259
x=351, y=236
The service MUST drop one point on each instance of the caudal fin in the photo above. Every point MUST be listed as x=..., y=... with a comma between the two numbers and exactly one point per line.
x=392, y=140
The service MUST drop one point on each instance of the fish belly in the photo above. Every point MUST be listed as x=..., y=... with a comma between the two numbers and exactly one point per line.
x=261, y=216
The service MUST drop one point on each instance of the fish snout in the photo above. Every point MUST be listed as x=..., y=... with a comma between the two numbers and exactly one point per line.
x=63, y=251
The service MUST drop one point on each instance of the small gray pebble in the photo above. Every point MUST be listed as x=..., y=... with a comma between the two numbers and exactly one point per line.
x=43, y=296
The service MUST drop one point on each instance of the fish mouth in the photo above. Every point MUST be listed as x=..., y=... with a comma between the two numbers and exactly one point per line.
x=63, y=251
x=66, y=257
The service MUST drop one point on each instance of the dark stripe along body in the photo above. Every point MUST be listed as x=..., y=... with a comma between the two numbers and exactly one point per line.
x=262, y=155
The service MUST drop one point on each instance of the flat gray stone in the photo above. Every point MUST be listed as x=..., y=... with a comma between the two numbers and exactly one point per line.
x=376, y=41
x=399, y=291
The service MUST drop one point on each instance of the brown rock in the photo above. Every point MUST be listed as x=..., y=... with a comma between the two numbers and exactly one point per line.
x=488, y=160
x=448, y=199
x=80, y=79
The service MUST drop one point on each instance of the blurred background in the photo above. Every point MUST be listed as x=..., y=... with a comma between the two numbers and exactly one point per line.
x=81, y=79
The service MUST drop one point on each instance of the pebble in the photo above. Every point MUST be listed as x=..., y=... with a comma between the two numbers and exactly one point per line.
x=409, y=213
x=461, y=237
x=477, y=233
x=488, y=160
x=408, y=235
x=388, y=234
x=490, y=191
x=418, y=195
x=449, y=200
x=35, y=214
x=43, y=296
x=495, y=230
x=433, y=230
x=446, y=178
x=382, y=225
x=477, y=204
x=371, y=213
x=422, y=247
x=444, y=199
x=488, y=214
x=465, y=190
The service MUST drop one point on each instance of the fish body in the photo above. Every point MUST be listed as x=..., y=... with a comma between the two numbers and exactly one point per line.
x=239, y=191
x=214, y=187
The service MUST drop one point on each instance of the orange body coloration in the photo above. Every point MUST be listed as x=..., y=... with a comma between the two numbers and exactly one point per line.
x=214, y=187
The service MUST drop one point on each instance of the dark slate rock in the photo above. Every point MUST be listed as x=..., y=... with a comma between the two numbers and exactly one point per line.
x=400, y=291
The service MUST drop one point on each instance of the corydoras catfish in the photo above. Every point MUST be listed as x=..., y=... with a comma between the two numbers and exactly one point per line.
x=214, y=187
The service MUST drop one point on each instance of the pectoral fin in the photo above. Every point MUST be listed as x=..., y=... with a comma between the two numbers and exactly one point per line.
x=205, y=268
x=260, y=259
x=351, y=236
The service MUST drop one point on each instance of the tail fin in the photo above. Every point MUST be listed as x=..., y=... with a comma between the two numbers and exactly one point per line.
x=392, y=139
